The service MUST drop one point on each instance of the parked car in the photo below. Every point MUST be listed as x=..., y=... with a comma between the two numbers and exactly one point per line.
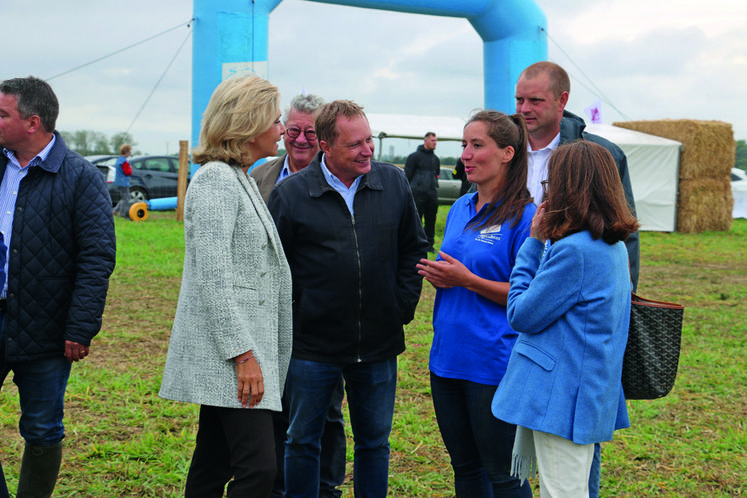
x=153, y=177
x=448, y=187
x=738, y=175
x=105, y=164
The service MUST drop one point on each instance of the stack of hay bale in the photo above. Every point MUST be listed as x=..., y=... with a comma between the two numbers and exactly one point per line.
x=704, y=200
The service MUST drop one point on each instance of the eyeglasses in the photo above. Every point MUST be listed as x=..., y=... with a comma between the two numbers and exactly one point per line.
x=295, y=132
x=544, y=187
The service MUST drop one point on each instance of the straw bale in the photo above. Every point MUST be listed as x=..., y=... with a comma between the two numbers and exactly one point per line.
x=708, y=147
x=704, y=204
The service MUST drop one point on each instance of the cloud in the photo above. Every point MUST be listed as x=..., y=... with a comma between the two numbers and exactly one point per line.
x=651, y=59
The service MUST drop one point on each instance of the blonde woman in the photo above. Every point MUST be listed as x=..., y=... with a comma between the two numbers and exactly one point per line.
x=231, y=340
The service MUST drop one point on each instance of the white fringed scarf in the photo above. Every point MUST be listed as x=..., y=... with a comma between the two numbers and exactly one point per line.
x=523, y=457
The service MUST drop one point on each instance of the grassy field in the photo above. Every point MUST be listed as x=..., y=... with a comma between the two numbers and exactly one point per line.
x=122, y=440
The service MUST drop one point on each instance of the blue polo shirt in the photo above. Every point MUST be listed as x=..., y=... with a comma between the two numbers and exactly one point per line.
x=472, y=339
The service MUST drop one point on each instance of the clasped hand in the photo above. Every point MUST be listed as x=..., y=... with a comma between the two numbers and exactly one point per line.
x=445, y=273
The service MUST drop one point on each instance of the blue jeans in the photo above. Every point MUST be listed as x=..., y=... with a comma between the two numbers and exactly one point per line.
x=332, y=457
x=370, y=390
x=41, y=391
x=479, y=444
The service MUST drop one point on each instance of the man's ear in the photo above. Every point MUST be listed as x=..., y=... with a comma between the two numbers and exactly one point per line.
x=325, y=146
x=563, y=99
x=34, y=124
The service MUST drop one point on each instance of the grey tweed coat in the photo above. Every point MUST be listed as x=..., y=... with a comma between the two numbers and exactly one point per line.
x=235, y=294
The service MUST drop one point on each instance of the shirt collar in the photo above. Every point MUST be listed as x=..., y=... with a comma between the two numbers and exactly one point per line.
x=335, y=182
x=285, y=171
x=551, y=146
x=39, y=158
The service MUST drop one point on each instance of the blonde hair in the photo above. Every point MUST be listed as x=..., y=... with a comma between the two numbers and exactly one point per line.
x=239, y=110
x=125, y=149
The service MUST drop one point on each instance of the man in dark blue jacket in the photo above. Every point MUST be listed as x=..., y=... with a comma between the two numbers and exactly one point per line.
x=57, y=250
x=352, y=237
x=542, y=93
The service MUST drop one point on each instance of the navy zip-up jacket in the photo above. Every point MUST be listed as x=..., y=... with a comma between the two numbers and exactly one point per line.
x=355, y=283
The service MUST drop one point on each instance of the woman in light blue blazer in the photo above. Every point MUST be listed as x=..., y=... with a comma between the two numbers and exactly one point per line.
x=571, y=305
x=231, y=340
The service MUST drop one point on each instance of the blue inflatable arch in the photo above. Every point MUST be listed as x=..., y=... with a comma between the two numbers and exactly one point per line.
x=231, y=38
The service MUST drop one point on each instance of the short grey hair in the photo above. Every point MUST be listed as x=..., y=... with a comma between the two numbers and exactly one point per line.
x=307, y=103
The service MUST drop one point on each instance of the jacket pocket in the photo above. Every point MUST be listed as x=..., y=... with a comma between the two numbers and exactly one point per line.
x=541, y=358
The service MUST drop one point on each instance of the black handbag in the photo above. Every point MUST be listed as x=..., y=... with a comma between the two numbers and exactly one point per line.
x=653, y=350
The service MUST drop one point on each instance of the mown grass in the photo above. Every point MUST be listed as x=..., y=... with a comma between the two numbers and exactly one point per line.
x=122, y=440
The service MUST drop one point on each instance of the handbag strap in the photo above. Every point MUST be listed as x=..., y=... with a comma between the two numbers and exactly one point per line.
x=656, y=304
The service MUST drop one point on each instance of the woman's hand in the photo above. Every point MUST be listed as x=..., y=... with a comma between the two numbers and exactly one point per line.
x=450, y=272
x=249, y=376
x=445, y=273
x=534, y=231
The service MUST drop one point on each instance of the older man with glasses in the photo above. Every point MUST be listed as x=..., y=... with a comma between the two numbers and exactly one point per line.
x=300, y=142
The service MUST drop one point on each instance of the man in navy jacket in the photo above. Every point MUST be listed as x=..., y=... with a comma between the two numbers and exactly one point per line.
x=542, y=93
x=57, y=250
x=352, y=237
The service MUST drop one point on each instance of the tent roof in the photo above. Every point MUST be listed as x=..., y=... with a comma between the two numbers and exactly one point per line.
x=619, y=136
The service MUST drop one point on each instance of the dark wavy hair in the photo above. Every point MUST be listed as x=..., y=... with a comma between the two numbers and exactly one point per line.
x=512, y=196
x=584, y=192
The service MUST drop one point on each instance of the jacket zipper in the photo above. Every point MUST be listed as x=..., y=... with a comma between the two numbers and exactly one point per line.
x=360, y=287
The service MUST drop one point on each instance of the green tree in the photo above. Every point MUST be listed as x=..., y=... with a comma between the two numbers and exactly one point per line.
x=740, y=159
x=87, y=142
x=119, y=139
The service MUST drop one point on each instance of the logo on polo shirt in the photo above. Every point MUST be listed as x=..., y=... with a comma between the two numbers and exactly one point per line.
x=489, y=235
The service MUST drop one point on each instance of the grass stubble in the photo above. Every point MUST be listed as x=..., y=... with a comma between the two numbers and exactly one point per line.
x=123, y=440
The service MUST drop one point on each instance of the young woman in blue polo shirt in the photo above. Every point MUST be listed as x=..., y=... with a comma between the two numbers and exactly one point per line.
x=472, y=339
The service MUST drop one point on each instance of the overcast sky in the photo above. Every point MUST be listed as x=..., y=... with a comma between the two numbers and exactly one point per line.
x=652, y=59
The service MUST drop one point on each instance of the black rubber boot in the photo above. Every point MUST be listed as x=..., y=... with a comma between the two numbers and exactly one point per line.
x=39, y=469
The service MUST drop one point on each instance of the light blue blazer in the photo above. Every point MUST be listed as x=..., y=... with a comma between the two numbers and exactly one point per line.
x=572, y=309
x=235, y=294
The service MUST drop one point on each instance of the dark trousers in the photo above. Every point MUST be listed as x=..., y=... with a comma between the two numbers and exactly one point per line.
x=233, y=443
x=479, y=444
x=427, y=205
x=332, y=458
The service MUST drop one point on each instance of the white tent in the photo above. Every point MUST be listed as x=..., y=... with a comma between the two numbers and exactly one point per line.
x=739, y=192
x=653, y=161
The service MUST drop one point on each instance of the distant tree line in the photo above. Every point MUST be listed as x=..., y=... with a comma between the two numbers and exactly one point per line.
x=93, y=143
x=740, y=160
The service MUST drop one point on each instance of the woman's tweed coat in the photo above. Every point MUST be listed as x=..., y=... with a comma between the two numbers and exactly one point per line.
x=235, y=294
